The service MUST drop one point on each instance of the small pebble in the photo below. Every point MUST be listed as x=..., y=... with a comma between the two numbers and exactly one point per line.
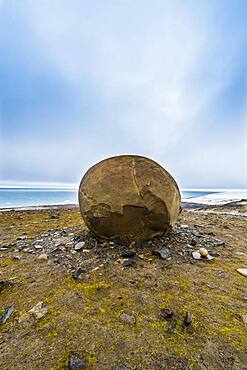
x=187, y=319
x=164, y=252
x=242, y=272
x=17, y=258
x=43, y=257
x=203, y=252
x=38, y=246
x=166, y=313
x=55, y=216
x=122, y=367
x=244, y=317
x=76, y=363
x=79, y=246
x=129, y=263
x=128, y=254
x=127, y=319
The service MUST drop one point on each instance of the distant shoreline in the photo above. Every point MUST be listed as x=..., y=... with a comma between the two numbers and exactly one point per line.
x=185, y=205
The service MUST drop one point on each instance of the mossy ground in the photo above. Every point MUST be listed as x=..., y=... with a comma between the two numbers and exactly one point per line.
x=84, y=317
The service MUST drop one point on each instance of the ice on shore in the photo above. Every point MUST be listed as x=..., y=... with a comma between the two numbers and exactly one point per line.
x=223, y=197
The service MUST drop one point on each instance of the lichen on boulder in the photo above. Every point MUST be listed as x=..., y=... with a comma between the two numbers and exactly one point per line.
x=128, y=198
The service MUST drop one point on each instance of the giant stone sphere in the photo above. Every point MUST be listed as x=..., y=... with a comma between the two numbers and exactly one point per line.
x=128, y=198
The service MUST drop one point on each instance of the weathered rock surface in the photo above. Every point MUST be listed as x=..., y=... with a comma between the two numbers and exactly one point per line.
x=129, y=198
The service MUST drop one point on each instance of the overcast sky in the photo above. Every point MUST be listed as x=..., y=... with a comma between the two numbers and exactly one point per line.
x=84, y=80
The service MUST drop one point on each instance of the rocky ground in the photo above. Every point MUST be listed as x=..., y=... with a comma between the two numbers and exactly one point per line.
x=71, y=301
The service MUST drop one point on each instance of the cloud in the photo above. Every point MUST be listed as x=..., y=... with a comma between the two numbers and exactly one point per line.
x=147, y=79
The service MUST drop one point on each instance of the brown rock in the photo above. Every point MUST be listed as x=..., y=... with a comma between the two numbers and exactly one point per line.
x=129, y=198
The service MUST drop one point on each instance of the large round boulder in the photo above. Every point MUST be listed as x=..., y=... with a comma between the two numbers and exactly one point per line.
x=128, y=198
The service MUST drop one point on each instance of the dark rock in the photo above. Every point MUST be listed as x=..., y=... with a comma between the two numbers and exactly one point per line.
x=187, y=319
x=214, y=254
x=193, y=242
x=164, y=252
x=128, y=254
x=219, y=243
x=5, y=284
x=22, y=237
x=166, y=314
x=77, y=238
x=80, y=271
x=76, y=362
x=8, y=311
x=129, y=263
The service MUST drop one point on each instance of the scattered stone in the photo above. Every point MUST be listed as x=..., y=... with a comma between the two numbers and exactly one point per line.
x=21, y=246
x=193, y=242
x=197, y=256
x=187, y=319
x=17, y=258
x=79, y=246
x=76, y=362
x=166, y=314
x=78, y=272
x=37, y=312
x=128, y=254
x=129, y=263
x=127, y=319
x=43, y=257
x=55, y=215
x=38, y=246
x=244, y=317
x=241, y=254
x=7, y=312
x=22, y=237
x=242, y=272
x=203, y=252
x=164, y=252
x=219, y=243
x=5, y=284
x=122, y=367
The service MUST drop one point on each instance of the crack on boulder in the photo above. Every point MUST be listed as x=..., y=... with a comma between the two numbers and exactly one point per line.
x=135, y=179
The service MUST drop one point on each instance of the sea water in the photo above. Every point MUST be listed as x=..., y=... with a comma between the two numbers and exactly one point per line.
x=28, y=197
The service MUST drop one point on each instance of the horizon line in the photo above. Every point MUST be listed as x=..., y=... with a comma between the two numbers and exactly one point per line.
x=74, y=186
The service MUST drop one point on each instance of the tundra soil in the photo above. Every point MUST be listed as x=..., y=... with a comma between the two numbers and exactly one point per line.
x=115, y=307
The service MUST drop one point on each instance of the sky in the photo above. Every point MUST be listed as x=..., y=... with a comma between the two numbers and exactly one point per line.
x=81, y=81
